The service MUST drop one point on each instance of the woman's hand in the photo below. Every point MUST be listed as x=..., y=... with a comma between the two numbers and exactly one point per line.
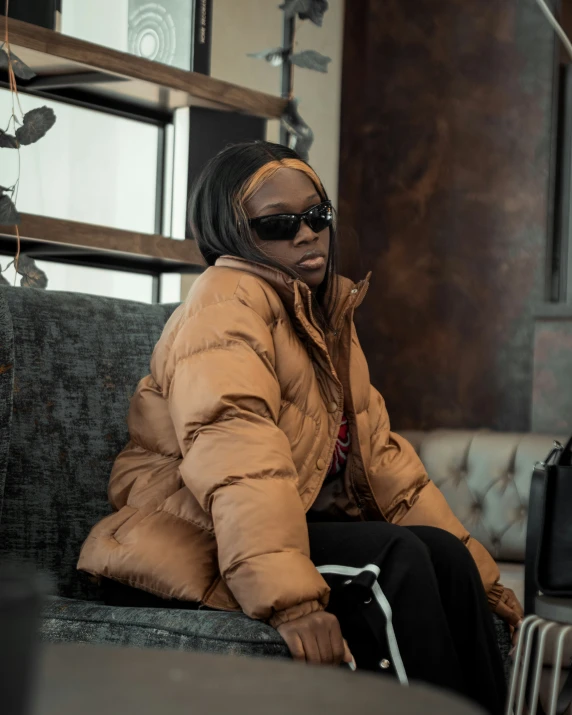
x=509, y=608
x=316, y=638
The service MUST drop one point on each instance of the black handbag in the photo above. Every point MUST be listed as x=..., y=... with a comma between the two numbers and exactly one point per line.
x=548, y=561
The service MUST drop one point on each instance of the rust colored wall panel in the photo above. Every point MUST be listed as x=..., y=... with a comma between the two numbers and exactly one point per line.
x=444, y=184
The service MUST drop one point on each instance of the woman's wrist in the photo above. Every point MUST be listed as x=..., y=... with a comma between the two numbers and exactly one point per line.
x=294, y=612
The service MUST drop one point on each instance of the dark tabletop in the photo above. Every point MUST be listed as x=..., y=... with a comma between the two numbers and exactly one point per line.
x=95, y=680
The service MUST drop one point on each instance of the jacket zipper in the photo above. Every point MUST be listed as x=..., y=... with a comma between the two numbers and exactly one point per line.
x=351, y=423
x=338, y=328
x=332, y=359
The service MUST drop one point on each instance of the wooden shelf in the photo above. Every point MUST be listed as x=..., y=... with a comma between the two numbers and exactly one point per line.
x=63, y=62
x=85, y=244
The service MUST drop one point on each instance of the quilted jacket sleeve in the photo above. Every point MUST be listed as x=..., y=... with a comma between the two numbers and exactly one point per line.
x=408, y=497
x=224, y=400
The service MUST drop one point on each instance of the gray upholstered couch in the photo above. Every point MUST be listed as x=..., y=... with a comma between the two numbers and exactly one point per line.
x=68, y=365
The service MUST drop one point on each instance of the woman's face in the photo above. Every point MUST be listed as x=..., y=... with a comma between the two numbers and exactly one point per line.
x=290, y=191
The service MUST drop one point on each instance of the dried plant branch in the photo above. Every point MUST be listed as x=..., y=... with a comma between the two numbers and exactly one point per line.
x=27, y=128
x=14, y=94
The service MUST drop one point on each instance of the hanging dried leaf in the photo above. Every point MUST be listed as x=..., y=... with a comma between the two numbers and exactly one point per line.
x=291, y=7
x=312, y=10
x=3, y=281
x=4, y=61
x=7, y=141
x=311, y=60
x=9, y=216
x=32, y=276
x=37, y=122
x=21, y=69
x=276, y=56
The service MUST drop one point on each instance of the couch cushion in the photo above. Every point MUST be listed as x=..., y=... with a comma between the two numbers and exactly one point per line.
x=485, y=477
x=68, y=620
x=74, y=361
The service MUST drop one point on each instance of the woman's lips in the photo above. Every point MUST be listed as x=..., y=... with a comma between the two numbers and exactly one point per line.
x=312, y=264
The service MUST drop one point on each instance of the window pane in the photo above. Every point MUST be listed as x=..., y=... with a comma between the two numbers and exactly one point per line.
x=94, y=281
x=158, y=31
x=170, y=288
x=89, y=167
x=105, y=22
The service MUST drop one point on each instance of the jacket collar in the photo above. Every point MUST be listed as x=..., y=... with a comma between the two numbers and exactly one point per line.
x=295, y=294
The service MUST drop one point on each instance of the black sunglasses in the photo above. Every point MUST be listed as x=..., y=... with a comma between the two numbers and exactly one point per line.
x=284, y=227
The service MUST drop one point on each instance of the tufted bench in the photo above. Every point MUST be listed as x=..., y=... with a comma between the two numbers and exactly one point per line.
x=485, y=477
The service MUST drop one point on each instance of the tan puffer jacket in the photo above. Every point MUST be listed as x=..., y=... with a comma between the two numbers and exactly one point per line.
x=231, y=437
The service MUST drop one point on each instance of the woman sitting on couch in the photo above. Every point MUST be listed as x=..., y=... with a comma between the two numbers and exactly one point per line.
x=262, y=474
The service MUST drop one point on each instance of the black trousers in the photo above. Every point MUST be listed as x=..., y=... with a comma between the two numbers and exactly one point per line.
x=410, y=602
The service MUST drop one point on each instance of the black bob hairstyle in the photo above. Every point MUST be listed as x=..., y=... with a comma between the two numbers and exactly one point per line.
x=218, y=220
